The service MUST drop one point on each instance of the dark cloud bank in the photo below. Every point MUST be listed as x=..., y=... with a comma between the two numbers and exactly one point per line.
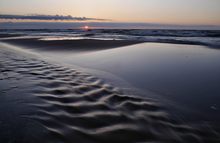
x=46, y=17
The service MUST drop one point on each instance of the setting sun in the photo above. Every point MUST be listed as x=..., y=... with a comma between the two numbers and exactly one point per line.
x=86, y=27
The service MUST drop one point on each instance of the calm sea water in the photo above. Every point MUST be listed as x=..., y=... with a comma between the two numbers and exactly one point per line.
x=197, y=37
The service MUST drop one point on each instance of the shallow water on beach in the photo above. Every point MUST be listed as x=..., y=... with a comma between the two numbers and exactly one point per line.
x=185, y=74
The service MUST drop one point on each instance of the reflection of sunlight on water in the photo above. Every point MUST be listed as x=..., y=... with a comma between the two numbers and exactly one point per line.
x=60, y=38
x=76, y=38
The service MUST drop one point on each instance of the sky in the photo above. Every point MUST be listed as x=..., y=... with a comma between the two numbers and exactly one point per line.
x=183, y=12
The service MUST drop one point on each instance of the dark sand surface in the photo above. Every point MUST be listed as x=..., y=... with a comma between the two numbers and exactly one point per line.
x=68, y=45
x=9, y=35
x=42, y=101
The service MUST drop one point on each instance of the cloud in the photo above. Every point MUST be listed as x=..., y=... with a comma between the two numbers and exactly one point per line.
x=47, y=17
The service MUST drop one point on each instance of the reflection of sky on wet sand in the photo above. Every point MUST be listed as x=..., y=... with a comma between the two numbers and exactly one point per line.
x=185, y=74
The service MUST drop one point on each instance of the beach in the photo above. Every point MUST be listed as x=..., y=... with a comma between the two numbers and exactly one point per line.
x=105, y=91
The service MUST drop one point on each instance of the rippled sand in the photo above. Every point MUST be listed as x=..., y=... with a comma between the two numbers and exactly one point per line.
x=67, y=105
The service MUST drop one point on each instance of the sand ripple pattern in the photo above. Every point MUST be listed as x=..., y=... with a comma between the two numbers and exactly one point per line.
x=78, y=107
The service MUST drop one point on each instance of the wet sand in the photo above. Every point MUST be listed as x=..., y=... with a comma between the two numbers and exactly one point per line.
x=49, y=102
x=9, y=35
x=70, y=45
